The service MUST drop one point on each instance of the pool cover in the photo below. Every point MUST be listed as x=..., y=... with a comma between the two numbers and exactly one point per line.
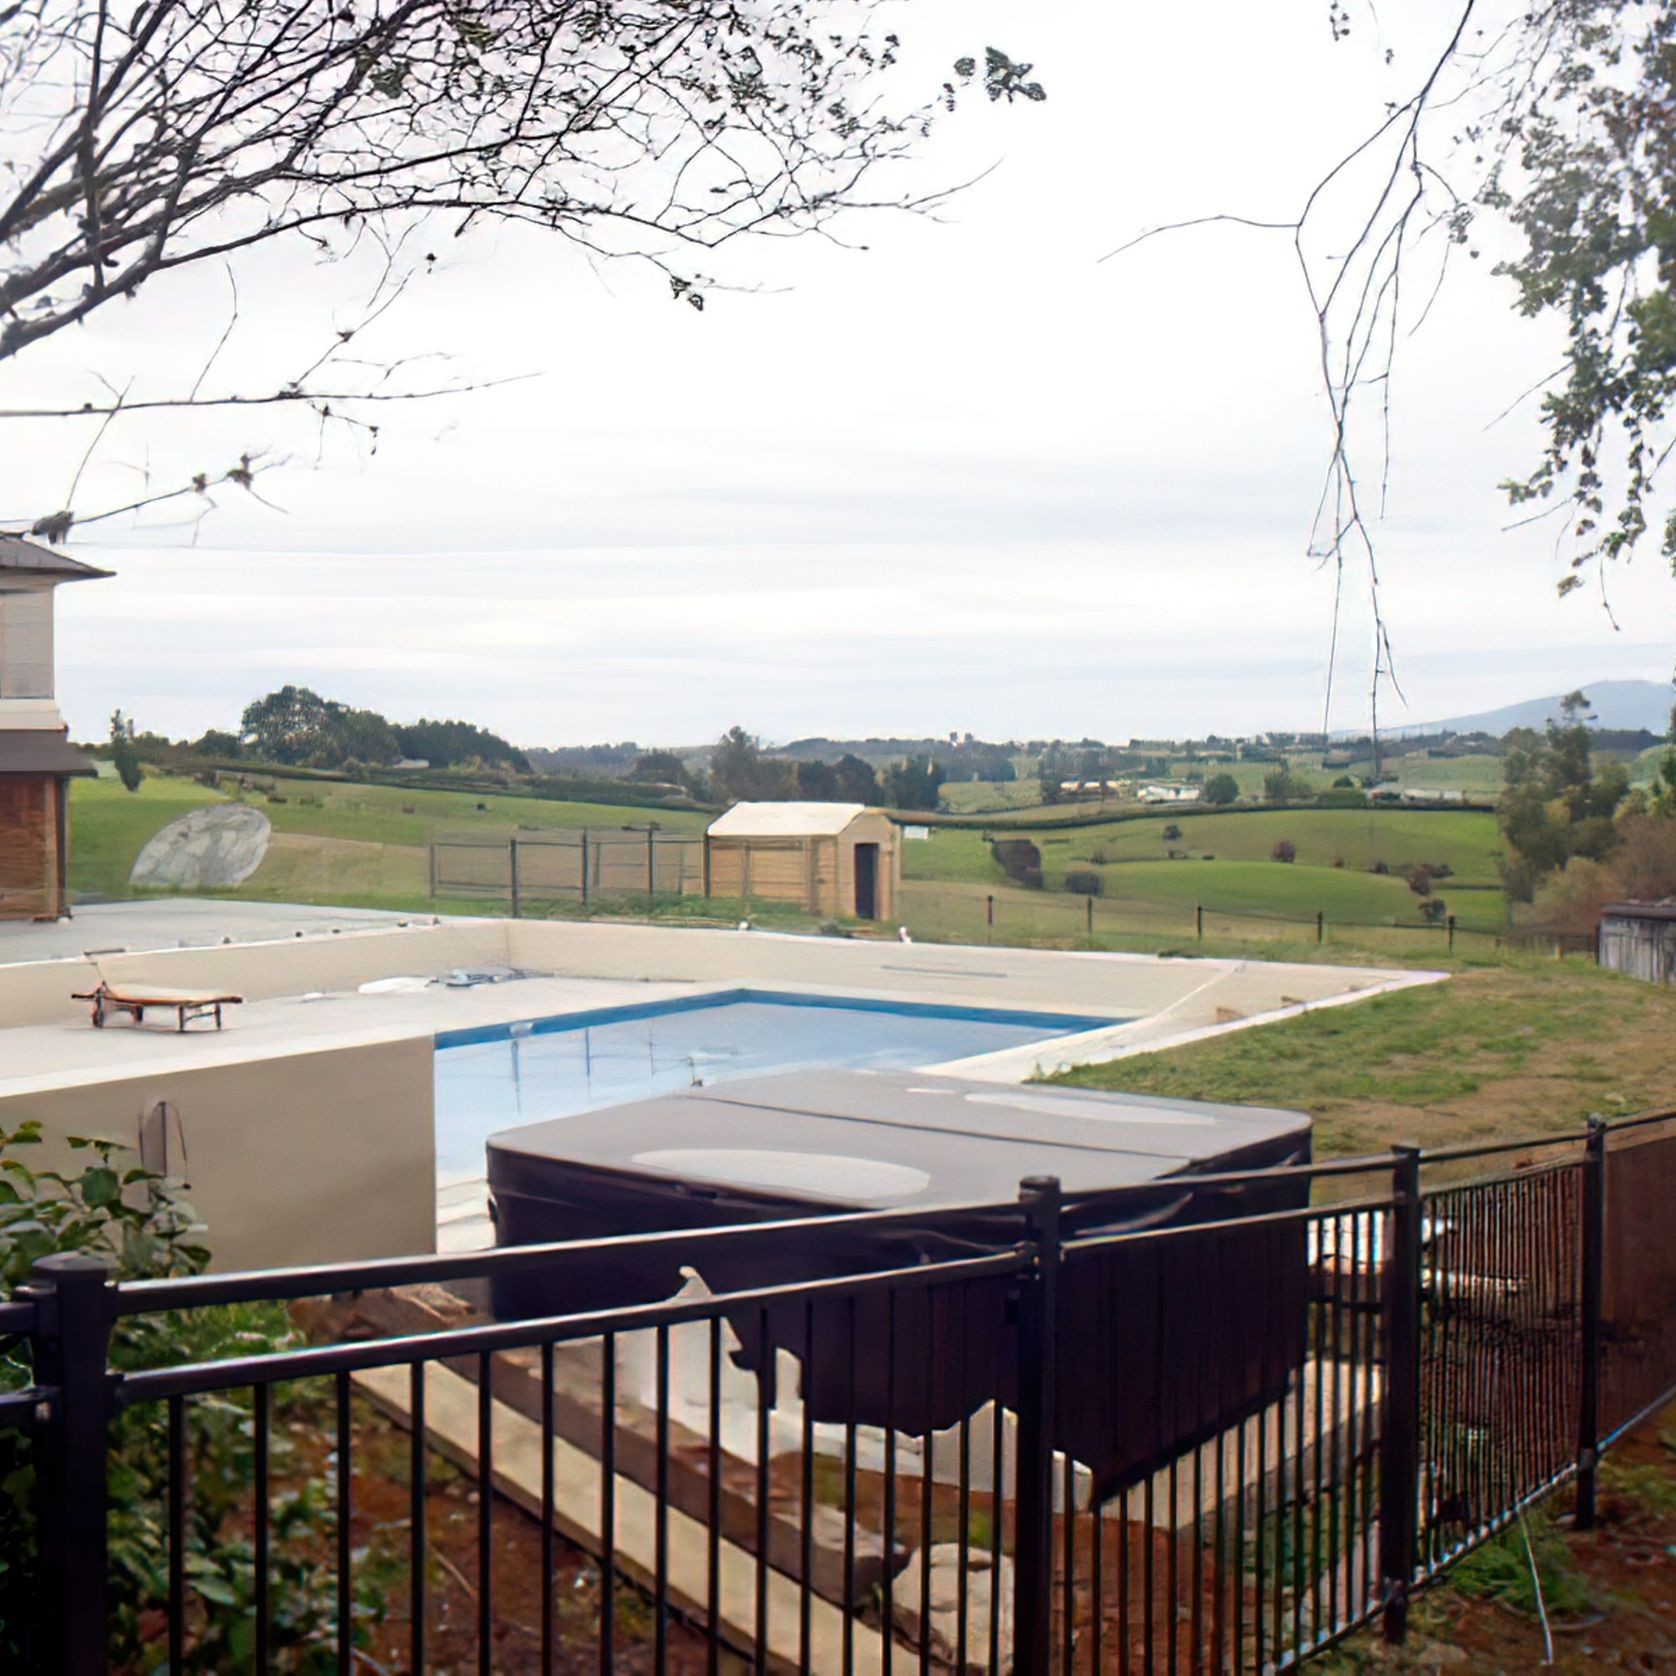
x=1172, y=1340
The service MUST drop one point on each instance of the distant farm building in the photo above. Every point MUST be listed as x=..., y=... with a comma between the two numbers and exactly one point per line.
x=829, y=858
x=37, y=760
x=1639, y=938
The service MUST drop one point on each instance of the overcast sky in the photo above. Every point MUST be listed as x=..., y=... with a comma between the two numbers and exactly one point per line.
x=966, y=478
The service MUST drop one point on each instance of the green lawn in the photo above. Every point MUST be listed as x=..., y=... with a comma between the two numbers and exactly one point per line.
x=1242, y=877
x=1523, y=1045
x=109, y=826
x=333, y=843
x=379, y=814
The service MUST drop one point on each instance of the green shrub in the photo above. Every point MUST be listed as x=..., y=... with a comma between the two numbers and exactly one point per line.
x=1084, y=882
x=141, y=1225
x=1019, y=859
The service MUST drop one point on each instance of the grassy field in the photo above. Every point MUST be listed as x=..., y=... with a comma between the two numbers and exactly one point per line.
x=1520, y=1045
x=109, y=825
x=357, y=845
x=983, y=797
x=1228, y=865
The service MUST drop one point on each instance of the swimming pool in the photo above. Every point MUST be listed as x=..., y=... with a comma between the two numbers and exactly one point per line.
x=499, y=1076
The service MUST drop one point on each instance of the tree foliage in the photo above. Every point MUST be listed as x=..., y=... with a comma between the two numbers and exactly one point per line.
x=1222, y=789
x=152, y=139
x=1555, y=804
x=913, y=783
x=1586, y=174
x=741, y=773
x=453, y=744
x=124, y=753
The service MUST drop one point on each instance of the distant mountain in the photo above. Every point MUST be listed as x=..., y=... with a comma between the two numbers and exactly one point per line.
x=1612, y=704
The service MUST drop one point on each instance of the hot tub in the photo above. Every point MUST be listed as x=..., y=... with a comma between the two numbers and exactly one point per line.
x=1156, y=1324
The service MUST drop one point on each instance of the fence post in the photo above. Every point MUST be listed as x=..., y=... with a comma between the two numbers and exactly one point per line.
x=512, y=869
x=584, y=867
x=1320, y=925
x=1591, y=1279
x=1033, y=1485
x=1199, y=921
x=72, y=1300
x=707, y=864
x=1090, y=915
x=989, y=913
x=1399, y=1464
x=1449, y=925
x=432, y=854
x=651, y=865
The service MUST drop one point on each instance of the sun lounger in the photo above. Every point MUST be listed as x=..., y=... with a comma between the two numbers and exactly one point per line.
x=187, y=1005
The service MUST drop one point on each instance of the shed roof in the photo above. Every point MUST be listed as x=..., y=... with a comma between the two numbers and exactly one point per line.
x=32, y=559
x=785, y=820
x=1642, y=910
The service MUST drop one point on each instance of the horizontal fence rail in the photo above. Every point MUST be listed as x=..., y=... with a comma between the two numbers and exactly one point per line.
x=1210, y=1424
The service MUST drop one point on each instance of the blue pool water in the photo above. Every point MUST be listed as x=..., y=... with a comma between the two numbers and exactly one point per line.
x=501, y=1076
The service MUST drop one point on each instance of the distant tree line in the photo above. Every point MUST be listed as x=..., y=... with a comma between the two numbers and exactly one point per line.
x=740, y=771
x=295, y=727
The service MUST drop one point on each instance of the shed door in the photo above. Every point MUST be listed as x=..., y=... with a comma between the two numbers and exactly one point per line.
x=867, y=881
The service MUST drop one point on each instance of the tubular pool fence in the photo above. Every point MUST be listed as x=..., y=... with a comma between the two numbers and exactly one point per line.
x=1086, y=1442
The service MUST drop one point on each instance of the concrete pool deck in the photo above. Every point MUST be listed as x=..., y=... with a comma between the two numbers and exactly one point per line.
x=308, y=1122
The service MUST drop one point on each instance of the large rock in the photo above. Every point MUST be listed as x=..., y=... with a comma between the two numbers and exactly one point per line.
x=944, y=1614
x=209, y=849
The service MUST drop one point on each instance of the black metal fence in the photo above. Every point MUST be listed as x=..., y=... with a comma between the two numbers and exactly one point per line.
x=1096, y=1441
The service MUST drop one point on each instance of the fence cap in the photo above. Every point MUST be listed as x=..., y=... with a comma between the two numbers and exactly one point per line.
x=66, y=1263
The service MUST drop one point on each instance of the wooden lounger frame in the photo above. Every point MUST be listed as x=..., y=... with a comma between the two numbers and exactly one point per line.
x=187, y=1009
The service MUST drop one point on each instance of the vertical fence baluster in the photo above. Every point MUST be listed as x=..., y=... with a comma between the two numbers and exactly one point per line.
x=1399, y=1457
x=765, y=1403
x=260, y=1420
x=177, y=1533
x=546, y=1434
x=1593, y=1255
x=660, y=1505
x=345, y=1515
x=806, y=1559
x=1038, y=1349
x=418, y=1557
x=608, y=1505
x=713, y=1519
x=71, y=1293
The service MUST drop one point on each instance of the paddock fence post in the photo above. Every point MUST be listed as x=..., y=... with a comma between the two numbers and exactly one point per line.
x=1399, y=1462
x=1033, y=1489
x=1591, y=1281
x=1449, y=926
x=651, y=865
x=512, y=872
x=584, y=867
x=1320, y=925
x=1090, y=915
x=1199, y=921
x=431, y=856
x=71, y=1293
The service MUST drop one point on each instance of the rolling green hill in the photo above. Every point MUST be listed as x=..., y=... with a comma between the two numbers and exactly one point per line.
x=333, y=841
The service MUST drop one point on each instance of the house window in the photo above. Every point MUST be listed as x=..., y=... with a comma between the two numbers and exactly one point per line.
x=26, y=645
